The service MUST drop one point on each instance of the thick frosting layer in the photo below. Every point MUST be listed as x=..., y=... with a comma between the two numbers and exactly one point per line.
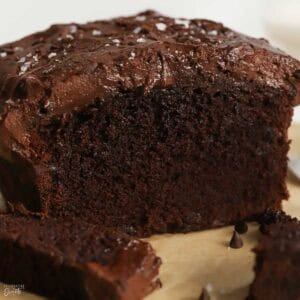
x=134, y=272
x=68, y=66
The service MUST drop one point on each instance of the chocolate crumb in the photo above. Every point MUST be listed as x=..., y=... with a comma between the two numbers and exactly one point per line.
x=241, y=227
x=204, y=295
x=236, y=241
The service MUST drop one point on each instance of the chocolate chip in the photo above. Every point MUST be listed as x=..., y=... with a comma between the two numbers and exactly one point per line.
x=236, y=242
x=241, y=227
x=204, y=295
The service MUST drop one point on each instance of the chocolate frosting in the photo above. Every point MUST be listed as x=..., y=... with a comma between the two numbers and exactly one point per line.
x=134, y=273
x=68, y=66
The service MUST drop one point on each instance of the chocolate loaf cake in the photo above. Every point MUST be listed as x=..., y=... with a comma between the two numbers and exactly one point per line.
x=75, y=260
x=148, y=123
x=277, y=270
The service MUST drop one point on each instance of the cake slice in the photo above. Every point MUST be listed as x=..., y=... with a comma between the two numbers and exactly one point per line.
x=277, y=269
x=75, y=260
x=146, y=123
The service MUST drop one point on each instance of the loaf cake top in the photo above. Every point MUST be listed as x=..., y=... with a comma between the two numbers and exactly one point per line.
x=70, y=65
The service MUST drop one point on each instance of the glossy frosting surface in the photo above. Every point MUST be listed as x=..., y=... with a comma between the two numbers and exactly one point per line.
x=70, y=65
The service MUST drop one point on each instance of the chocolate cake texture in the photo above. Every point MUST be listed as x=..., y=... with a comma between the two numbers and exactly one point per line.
x=139, y=125
x=63, y=259
x=146, y=123
x=277, y=266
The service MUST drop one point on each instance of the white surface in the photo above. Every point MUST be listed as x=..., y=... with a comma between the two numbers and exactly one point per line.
x=282, y=24
x=278, y=20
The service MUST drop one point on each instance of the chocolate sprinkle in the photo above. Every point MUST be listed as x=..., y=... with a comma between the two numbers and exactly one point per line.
x=204, y=295
x=241, y=227
x=236, y=241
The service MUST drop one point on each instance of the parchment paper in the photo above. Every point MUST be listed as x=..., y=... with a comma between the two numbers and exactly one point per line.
x=192, y=261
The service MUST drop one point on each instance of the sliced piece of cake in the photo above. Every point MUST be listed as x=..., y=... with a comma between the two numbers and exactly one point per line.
x=148, y=123
x=75, y=260
x=277, y=269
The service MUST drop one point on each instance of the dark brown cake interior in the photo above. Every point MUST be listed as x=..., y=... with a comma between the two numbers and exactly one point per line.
x=124, y=150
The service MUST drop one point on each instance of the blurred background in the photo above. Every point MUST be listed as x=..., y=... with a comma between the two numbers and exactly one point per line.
x=277, y=20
